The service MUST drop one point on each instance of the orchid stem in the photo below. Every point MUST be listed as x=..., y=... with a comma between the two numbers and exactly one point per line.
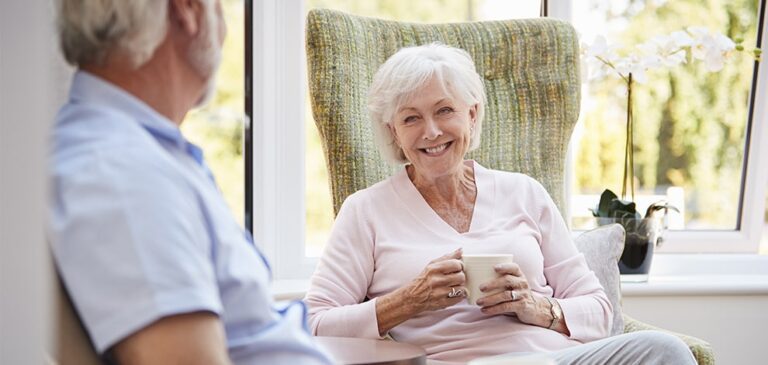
x=609, y=64
x=629, y=160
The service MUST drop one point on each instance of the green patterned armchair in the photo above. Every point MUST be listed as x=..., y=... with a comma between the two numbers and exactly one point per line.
x=530, y=69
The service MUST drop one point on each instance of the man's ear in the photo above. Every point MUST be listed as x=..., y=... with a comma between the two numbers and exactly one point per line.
x=187, y=15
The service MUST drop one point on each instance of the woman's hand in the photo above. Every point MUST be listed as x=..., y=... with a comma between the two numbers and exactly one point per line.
x=516, y=297
x=440, y=285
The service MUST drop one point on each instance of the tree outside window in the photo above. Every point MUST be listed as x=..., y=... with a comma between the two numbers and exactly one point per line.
x=218, y=127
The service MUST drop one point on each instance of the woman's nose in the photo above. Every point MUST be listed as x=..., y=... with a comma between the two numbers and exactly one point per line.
x=431, y=129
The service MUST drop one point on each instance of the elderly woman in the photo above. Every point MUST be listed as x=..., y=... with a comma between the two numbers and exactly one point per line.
x=393, y=263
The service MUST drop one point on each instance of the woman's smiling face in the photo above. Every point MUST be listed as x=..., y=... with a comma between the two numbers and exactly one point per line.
x=433, y=129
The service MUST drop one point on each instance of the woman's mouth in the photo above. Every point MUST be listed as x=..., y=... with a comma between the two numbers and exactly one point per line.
x=437, y=150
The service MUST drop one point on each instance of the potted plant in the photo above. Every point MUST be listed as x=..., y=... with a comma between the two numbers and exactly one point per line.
x=600, y=59
x=643, y=233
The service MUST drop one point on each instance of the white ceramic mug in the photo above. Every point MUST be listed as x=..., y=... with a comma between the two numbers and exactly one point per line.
x=479, y=270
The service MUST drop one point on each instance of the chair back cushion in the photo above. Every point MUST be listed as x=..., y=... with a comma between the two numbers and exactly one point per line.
x=529, y=68
x=602, y=249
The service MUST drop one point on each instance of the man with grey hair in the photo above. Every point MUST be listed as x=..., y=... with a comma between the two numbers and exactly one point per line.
x=156, y=265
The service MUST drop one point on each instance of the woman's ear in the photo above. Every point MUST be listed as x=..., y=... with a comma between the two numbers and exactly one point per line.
x=473, y=115
x=394, y=133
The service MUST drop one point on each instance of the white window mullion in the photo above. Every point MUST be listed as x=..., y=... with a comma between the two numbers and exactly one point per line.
x=560, y=9
x=263, y=84
x=278, y=135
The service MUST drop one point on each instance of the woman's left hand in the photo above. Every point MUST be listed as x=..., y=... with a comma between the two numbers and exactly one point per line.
x=515, y=298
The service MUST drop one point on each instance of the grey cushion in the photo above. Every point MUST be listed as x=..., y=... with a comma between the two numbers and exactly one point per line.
x=602, y=249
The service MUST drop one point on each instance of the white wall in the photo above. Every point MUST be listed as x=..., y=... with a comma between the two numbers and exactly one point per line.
x=30, y=89
x=733, y=324
x=719, y=298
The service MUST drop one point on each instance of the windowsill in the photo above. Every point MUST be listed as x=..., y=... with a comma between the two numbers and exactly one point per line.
x=703, y=274
x=289, y=289
x=671, y=275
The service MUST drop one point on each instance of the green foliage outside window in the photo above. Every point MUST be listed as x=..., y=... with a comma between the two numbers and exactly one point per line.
x=690, y=125
x=218, y=127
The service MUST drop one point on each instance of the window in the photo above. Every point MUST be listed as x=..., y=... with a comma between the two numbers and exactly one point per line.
x=691, y=127
x=292, y=218
x=217, y=128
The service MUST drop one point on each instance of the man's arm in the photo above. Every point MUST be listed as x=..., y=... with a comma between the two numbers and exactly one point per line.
x=193, y=338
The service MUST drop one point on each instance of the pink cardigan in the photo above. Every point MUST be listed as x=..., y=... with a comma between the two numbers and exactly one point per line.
x=386, y=234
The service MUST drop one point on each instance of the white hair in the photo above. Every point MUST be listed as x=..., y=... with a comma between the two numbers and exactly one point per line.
x=408, y=70
x=90, y=29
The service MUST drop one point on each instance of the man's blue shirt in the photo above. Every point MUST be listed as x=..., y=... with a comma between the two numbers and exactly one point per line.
x=140, y=231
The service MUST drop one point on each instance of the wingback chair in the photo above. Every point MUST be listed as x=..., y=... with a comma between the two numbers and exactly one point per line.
x=530, y=69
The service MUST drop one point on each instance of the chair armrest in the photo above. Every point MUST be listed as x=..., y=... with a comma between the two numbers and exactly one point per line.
x=701, y=349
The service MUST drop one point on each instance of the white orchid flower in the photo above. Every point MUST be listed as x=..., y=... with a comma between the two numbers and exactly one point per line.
x=662, y=51
x=681, y=39
x=714, y=61
x=698, y=31
x=595, y=69
x=701, y=38
x=598, y=47
x=716, y=50
x=597, y=59
x=712, y=48
x=635, y=65
x=600, y=58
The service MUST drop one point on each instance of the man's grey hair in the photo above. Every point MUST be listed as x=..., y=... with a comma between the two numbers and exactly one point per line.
x=409, y=69
x=89, y=30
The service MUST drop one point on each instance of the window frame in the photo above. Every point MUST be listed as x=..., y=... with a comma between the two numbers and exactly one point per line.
x=274, y=150
x=274, y=88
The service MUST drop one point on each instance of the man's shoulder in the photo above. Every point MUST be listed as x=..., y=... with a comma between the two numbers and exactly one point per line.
x=110, y=157
x=88, y=123
x=87, y=135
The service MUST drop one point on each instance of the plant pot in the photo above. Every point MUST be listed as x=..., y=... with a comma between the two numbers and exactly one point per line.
x=642, y=237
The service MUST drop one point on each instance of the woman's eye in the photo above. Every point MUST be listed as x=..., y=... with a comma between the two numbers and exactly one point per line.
x=410, y=118
x=445, y=110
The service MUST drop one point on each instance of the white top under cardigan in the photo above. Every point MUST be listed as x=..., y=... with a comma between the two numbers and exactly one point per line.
x=386, y=234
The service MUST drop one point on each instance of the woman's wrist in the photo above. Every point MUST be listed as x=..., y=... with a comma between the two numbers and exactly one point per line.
x=556, y=320
x=545, y=311
x=394, y=308
x=554, y=311
x=407, y=302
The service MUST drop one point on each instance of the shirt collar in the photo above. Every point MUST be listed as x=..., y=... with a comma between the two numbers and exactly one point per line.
x=89, y=88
